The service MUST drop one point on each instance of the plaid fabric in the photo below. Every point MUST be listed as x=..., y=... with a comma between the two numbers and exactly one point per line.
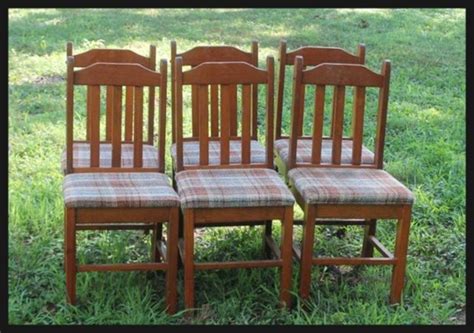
x=191, y=152
x=120, y=189
x=303, y=151
x=349, y=186
x=221, y=188
x=81, y=156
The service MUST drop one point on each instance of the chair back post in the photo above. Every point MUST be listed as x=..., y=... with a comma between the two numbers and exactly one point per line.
x=254, y=122
x=270, y=110
x=173, y=91
x=361, y=53
x=382, y=114
x=295, y=111
x=69, y=112
x=281, y=87
x=162, y=114
x=178, y=76
x=151, y=98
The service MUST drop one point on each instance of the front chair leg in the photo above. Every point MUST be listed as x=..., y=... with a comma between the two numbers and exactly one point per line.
x=307, y=251
x=172, y=261
x=188, y=259
x=286, y=257
x=70, y=254
x=401, y=248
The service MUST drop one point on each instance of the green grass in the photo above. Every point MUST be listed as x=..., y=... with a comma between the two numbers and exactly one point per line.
x=425, y=149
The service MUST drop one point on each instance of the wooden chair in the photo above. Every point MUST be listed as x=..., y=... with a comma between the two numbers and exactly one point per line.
x=82, y=147
x=119, y=196
x=193, y=58
x=346, y=189
x=230, y=194
x=313, y=56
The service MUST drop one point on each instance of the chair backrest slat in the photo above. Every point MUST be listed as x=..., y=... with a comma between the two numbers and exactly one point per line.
x=201, y=54
x=233, y=109
x=108, y=113
x=340, y=76
x=224, y=77
x=358, y=124
x=214, y=110
x=246, y=120
x=117, y=127
x=225, y=124
x=339, y=100
x=203, y=125
x=93, y=105
x=318, y=121
x=138, y=130
x=129, y=113
x=119, y=79
x=312, y=56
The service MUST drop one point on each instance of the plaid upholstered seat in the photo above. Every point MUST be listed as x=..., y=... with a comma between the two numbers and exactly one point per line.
x=119, y=189
x=232, y=188
x=348, y=186
x=303, y=152
x=191, y=152
x=81, y=156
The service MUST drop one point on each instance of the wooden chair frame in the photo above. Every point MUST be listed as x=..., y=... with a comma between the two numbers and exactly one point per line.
x=313, y=56
x=359, y=76
x=115, y=76
x=228, y=74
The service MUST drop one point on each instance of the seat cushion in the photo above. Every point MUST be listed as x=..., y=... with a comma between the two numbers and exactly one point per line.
x=303, y=152
x=118, y=189
x=191, y=152
x=349, y=186
x=81, y=156
x=222, y=188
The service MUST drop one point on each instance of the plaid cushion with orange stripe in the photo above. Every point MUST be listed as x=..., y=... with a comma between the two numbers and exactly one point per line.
x=120, y=189
x=349, y=186
x=212, y=188
x=81, y=156
x=303, y=151
x=191, y=152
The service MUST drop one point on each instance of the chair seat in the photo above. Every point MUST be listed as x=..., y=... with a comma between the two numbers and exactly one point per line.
x=191, y=152
x=118, y=189
x=348, y=186
x=305, y=146
x=81, y=156
x=220, y=188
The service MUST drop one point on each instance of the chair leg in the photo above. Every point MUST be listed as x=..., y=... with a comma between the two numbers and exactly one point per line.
x=401, y=247
x=368, y=247
x=267, y=231
x=307, y=251
x=286, y=257
x=70, y=254
x=172, y=258
x=157, y=235
x=188, y=258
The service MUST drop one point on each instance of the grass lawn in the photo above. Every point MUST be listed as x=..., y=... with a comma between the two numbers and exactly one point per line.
x=425, y=149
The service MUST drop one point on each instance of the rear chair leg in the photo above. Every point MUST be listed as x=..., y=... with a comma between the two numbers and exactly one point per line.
x=188, y=259
x=401, y=247
x=172, y=258
x=307, y=251
x=368, y=247
x=157, y=235
x=70, y=254
x=286, y=257
x=267, y=232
